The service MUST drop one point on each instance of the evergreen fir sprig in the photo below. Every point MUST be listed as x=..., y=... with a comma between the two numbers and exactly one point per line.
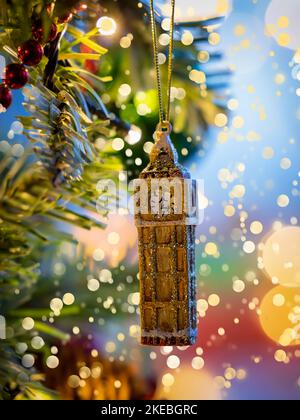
x=31, y=386
x=56, y=184
x=53, y=185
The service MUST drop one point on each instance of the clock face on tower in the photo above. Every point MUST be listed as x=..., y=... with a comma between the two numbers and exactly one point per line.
x=162, y=202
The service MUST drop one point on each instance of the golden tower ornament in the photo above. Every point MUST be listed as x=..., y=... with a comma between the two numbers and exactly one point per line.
x=166, y=218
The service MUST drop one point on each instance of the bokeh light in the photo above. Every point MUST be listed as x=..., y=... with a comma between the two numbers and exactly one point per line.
x=281, y=256
x=280, y=316
x=282, y=22
x=194, y=9
x=107, y=26
x=174, y=386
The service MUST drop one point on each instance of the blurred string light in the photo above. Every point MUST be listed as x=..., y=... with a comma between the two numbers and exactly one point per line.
x=281, y=256
x=125, y=90
x=187, y=38
x=282, y=22
x=28, y=361
x=194, y=9
x=173, y=386
x=107, y=26
x=68, y=299
x=280, y=316
x=126, y=41
x=134, y=135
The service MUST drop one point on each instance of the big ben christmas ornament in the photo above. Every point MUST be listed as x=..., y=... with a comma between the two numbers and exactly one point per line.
x=166, y=202
x=166, y=217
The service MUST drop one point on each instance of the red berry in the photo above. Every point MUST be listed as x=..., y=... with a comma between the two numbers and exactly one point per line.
x=38, y=32
x=5, y=96
x=30, y=53
x=16, y=76
x=53, y=33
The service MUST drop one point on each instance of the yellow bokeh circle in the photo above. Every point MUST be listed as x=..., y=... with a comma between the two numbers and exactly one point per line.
x=280, y=316
x=281, y=256
x=173, y=385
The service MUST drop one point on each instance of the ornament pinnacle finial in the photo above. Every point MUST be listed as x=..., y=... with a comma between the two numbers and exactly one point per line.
x=163, y=144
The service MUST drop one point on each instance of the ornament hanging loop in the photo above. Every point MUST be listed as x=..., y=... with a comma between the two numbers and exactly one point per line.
x=164, y=127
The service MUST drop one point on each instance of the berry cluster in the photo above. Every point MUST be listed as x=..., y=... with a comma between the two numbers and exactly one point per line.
x=30, y=53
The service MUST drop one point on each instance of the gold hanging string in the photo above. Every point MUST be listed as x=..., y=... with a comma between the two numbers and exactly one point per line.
x=164, y=116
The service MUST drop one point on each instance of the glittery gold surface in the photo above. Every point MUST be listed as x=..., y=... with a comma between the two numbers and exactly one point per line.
x=166, y=261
